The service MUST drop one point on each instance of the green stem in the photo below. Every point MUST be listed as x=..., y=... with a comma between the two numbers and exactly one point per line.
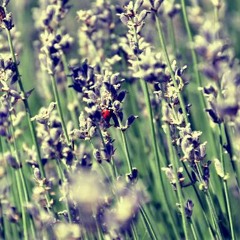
x=24, y=217
x=150, y=112
x=193, y=53
x=70, y=94
x=229, y=209
x=21, y=183
x=172, y=35
x=209, y=202
x=63, y=178
x=158, y=180
x=221, y=134
x=163, y=45
x=134, y=232
x=126, y=151
x=19, y=191
x=193, y=230
x=59, y=108
x=26, y=105
x=152, y=127
x=200, y=201
x=213, y=214
x=172, y=158
x=148, y=224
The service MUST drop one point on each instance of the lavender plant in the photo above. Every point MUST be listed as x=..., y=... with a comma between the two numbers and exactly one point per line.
x=136, y=134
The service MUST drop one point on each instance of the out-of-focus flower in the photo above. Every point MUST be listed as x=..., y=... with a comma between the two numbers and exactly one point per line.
x=172, y=177
x=65, y=231
x=88, y=190
x=130, y=197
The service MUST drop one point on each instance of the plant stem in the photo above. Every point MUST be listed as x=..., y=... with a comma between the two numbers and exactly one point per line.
x=26, y=105
x=21, y=184
x=193, y=53
x=152, y=127
x=200, y=201
x=164, y=48
x=134, y=232
x=148, y=224
x=126, y=151
x=173, y=159
x=159, y=179
x=209, y=202
x=70, y=94
x=63, y=178
x=59, y=108
x=193, y=230
x=221, y=134
x=172, y=35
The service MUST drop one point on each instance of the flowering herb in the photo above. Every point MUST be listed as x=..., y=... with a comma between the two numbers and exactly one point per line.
x=119, y=119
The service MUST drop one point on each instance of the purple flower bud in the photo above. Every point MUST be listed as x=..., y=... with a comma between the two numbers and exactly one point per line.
x=189, y=208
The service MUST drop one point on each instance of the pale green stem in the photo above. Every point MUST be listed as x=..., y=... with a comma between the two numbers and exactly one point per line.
x=209, y=202
x=63, y=178
x=159, y=180
x=126, y=150
x=20, y=192
x=164, y=48
x=59, y=108
x=172, y=35
x=134, y=232
x=148, y=224
x=25, y=101
x=221, y=134
x=197, y=75
x=193, y=230
x=200, y=201
x=193, y=53
x=23, y=194
x=172, y=158
x=70, y=94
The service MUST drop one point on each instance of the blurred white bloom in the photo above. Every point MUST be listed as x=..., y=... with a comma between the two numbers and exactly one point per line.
x=67, y=231
x=88, y=190
x=130, y=198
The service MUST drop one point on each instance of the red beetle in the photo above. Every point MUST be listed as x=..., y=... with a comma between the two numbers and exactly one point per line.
x=106, y=114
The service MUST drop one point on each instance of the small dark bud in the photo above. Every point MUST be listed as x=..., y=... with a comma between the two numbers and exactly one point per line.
x=189, y=208
x=13, y=161
x=121, y=96
x=133, y=176
x=214, y=116
x=130, y=120
x=8, y=21
x=97, y=155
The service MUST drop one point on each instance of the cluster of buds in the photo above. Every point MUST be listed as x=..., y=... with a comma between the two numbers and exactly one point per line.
x=6, y=20
x=50, y=16
x=10, y=96
x=172, y=177
x=97, y=29
x=135, y=22
x=53, y=37
x=103, y=97
x=50, y=133
x=52, y=47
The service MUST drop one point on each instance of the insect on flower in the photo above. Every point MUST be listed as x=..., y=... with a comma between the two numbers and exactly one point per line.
x=106, y=114
x=2, y=14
